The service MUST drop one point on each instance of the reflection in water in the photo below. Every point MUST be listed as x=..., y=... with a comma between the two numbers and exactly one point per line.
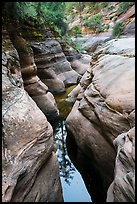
x=89, y=174
x=73, y=186
x=74, y=189
x=66, y=168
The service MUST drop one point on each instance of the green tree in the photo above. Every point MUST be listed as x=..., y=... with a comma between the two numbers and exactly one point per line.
x=41, y=14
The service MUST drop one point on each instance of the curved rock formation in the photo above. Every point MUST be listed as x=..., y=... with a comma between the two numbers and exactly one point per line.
x=80, y=61
x=30, y=171
x=123, y=186
x=80, y=88
x=32, y=84
x=105, y=108
x=53, y=68
x=81, y=64
x=35, y=87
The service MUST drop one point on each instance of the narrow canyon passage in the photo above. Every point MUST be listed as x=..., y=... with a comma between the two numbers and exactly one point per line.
x=68, y=102
x=78, y=178
x=74, y=189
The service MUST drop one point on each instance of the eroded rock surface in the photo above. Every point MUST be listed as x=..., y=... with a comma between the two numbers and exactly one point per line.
x=122, y=188
x=38, y=91
x=30, y=171
x=81, y=64
x=130, y=12
x=130, y=28
x=53, y=68
x=105, y=107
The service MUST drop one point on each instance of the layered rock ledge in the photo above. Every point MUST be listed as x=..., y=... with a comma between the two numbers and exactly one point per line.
x=53, y=68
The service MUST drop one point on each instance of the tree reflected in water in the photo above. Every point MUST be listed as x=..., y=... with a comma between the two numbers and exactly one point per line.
x=66, y=167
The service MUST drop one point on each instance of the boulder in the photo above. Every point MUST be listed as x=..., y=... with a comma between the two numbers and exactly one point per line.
x=82, y=64
x=105, y=106
x=72, y=96
x=28, y=152
x=77, y=92
x=91, y=43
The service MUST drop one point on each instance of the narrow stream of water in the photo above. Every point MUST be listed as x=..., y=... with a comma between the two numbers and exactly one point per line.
x=73, y=186
x=80, y=182
x=74, y=189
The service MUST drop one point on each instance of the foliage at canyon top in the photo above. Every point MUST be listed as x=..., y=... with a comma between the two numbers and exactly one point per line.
x=58, y=15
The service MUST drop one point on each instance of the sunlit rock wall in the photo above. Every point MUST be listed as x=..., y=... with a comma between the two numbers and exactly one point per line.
x=104, y=109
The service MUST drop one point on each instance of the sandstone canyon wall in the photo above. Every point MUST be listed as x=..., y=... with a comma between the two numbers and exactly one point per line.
x=30, y=168
x=53, y=68
x=104, y=114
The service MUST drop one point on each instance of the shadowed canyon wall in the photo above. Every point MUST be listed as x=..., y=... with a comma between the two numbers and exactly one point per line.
x=30, y=168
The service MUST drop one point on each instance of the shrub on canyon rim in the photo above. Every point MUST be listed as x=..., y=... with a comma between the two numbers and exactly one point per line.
x=95, y=22
x=117, y=30
x=124, y=6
